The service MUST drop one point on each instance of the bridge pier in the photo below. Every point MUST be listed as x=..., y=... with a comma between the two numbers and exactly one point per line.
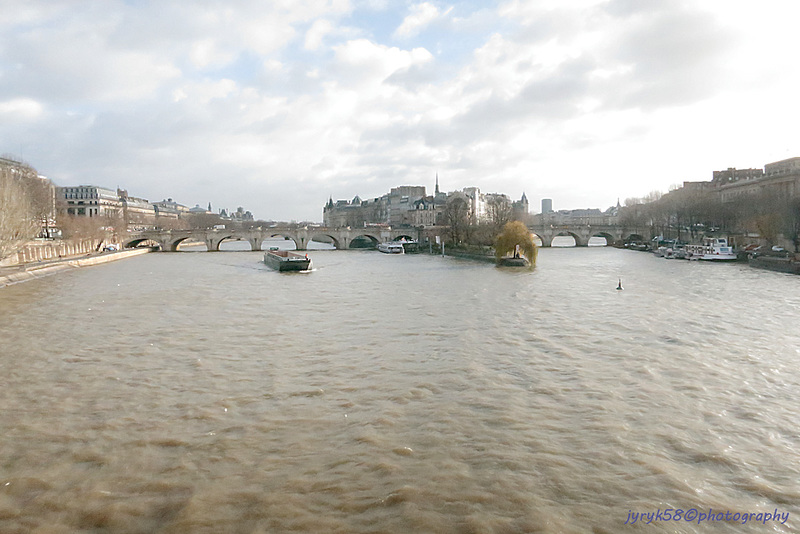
x=255, y=243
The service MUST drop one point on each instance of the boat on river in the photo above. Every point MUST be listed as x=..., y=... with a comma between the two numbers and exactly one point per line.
x=285, y=260
x=513, y=261
x=391, y=247
x=516, y=260
x=712, y=249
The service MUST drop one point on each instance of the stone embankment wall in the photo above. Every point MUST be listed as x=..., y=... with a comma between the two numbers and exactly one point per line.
x=50, y=250
x=47, y=269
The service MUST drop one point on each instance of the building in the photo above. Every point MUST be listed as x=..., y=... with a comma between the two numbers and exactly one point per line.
x=579, y=217
x=169, y=209
x=781, y=178
x=520, y=209
x=409, y=205
x=90, y=201
x=547, y=205
x=138, y=213
x=396, y=209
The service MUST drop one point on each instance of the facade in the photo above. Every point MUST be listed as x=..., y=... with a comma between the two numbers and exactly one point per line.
x=138, y=213
x=781, y=178
x=520, y=208
x=409, y=205
x=580, y=217
x=169, y=209
x=398, y=208
x=90, y=201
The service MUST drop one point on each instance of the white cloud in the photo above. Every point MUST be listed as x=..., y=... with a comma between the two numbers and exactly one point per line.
x=421, y=16
x=23, y=108
x=277, y=105
x=317, y=33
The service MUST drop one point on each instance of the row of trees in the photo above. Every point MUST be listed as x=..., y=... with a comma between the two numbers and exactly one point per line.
x=687, y=215
x=463, y=226
x=26, y=205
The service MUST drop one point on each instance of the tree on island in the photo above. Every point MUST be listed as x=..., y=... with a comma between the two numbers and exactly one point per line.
x=516, y=234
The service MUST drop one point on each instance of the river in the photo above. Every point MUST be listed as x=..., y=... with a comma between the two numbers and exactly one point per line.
x=202, y=392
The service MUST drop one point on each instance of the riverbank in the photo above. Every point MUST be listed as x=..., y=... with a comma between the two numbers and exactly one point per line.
x=32, y=271
x=476, y=253
x=782, y=264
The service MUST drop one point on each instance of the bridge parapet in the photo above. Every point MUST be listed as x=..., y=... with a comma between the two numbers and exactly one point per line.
x=169, y=240
x=581, y=233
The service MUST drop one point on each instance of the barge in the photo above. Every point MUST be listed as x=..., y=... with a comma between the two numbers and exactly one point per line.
x=285, y=260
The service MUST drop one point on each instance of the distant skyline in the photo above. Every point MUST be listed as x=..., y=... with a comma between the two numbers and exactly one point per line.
x=277, y=106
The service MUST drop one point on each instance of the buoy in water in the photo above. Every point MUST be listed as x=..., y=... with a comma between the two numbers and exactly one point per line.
x=619, y=285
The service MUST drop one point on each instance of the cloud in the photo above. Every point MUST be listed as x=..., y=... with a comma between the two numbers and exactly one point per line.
x=22, y=108
x=317, y=33
x=277, y=105
x=421, y=16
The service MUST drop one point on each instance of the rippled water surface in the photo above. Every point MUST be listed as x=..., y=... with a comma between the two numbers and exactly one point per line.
x=202, y=392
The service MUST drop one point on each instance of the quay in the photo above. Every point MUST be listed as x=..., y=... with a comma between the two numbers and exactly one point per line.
x=32, y=271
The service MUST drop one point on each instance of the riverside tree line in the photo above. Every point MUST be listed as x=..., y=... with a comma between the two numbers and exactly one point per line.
x=29, y=209
x=688, y=215
x=26, y=205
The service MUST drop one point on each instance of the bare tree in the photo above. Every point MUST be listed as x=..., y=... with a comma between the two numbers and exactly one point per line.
x=17, y=222
x=203, y=220
x=456, y=217
x=500, y=210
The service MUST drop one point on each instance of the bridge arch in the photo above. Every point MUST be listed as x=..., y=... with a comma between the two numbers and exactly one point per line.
x=635, y=237
x=608, y=237
x=136, y=242
x=172, y=245
x=539, y=240
x=579, y=242
x=231, y=239
x=334, y=240
x=374, y=240
x=298, y=244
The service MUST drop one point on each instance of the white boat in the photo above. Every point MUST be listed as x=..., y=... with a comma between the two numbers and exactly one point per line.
x=712, y=249
x=677, y=251
x=391, y=247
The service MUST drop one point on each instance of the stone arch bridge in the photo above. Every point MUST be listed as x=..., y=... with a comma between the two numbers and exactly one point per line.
x=169, y=240
x=580, y=232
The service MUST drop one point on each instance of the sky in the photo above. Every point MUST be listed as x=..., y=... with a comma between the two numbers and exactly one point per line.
x=276, y=106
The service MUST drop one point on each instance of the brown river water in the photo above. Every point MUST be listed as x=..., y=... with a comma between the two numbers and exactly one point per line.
x=203, y=392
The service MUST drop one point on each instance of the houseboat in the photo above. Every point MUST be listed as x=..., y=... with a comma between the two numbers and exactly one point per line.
x=712, y=249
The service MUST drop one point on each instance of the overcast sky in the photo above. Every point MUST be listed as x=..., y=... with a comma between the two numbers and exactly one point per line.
x=277, y=105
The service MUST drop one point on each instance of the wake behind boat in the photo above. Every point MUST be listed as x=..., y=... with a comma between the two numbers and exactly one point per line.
x=284, y=260
x=392, y=247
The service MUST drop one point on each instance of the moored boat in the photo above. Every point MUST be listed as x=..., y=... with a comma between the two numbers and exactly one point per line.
x=391, y=247
x=712, y=249
x=516, y=260
x=508, y=261
x=284, y=260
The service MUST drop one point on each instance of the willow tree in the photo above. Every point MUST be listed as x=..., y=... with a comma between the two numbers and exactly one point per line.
x=516, y=234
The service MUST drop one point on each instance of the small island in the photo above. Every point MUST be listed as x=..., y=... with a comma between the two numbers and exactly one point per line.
x=515, y=246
